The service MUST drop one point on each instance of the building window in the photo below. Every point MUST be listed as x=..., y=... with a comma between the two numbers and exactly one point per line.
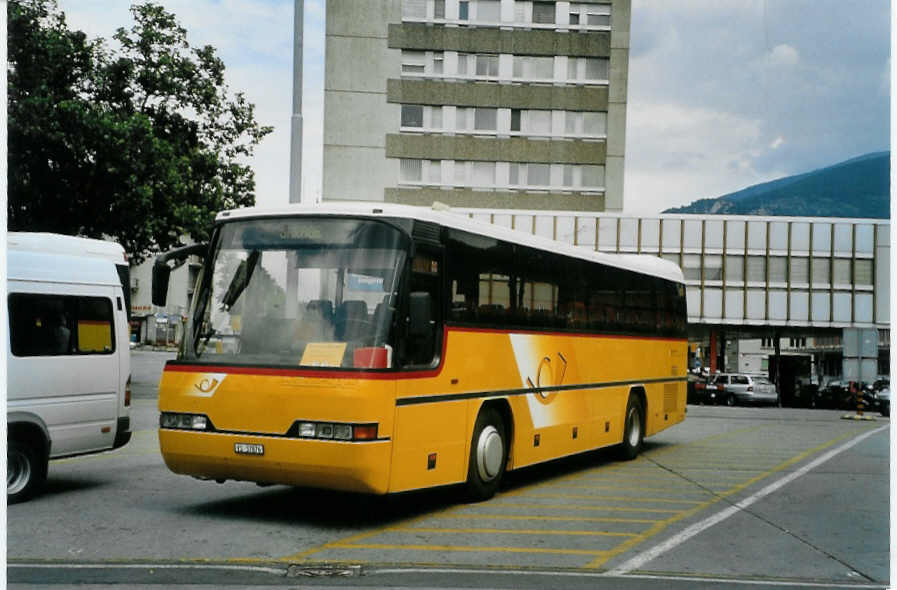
x=534, y=68
x=487, y=65
x=414, y=62
x=485, y=119
x=483, y=174
x=410, y=170
x=589, y=124
x=821, y=270
x=434, y=171
x=515, y=119
x=593, y=176
x=439, y=9
x=778, y=269
x=713, y=267
x=538, y=175
x=536, y=122
x=412, y=115
x=841, y=271
x=691, y=267
x=862, y=273
x=596, y=68
x=463, y=10
x=543, y=12
x=414, y=9
x=756, y=269
x=800, y=269
x=735, y=268
x=438, y=63
x=489, y=11
x=592, y=15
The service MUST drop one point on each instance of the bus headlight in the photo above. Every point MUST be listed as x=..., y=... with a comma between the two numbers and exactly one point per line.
x=184, y=421
x=333, y=431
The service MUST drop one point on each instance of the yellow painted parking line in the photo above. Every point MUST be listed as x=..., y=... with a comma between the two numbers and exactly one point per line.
x=474, y=515
x=615, y=498
x=640, y=463
x=471, y=548
x=509, y=531
x=657, y=528
x=689, y=488
x=587, y=507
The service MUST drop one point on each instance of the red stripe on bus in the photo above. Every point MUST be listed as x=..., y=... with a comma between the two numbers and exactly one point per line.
x=340, y=373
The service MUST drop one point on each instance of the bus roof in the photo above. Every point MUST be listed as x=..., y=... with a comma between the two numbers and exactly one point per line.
x=642, y=263
x=49, y=243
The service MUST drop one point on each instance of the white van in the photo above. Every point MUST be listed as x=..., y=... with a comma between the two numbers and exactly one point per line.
x=68, y=359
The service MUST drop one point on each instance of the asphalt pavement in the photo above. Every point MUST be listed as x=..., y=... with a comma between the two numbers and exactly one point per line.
x=733, y=498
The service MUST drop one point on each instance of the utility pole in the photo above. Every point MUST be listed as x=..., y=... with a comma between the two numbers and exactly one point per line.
x=296, y=119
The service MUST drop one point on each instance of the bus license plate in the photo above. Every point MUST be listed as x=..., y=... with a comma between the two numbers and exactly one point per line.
x=249, y=449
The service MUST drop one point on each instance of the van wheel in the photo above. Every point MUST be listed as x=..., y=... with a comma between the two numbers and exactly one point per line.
x=488, y=455
x=633, y=429
x=26, y=471
x=730, y=401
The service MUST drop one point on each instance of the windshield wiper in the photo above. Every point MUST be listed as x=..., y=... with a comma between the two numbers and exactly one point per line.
x=240, y=279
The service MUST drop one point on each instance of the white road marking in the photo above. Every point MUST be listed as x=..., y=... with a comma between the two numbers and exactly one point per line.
x=646, y=556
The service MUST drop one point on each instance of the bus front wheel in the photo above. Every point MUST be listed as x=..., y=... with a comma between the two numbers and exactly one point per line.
x=633, y=429
x=488, y=455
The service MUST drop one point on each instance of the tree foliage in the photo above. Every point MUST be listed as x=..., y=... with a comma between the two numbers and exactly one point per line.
x=143, y=143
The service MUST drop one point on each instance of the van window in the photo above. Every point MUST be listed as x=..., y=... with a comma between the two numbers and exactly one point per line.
x=54, y=325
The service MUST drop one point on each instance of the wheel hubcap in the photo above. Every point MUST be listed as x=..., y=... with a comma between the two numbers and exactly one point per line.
x=635, y=427
x=18, y=472
x=489, y=453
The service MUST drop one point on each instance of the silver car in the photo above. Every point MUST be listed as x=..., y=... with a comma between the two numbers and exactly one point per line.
x=746, y=389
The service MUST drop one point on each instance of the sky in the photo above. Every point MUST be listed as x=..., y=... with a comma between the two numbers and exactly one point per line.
x=722, y=94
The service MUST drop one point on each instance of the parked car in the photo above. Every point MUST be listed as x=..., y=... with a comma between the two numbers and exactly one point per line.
x=884, y=401
x=746, y=389
x=702, y=390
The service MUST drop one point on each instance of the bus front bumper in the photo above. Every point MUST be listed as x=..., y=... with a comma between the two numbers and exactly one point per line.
x=338, y=465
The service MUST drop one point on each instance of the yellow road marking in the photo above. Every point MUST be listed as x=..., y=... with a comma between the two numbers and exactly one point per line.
x=627, y=545
x=688, y=488
x=584, y=507
x=550, y=518
x=471, y=548
x=605, y=468
x=615, y=498
x=509, y=531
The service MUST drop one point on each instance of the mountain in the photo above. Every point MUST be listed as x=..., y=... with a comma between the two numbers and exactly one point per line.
x=859, y=187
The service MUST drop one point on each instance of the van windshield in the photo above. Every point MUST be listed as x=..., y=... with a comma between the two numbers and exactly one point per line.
x=299, y=292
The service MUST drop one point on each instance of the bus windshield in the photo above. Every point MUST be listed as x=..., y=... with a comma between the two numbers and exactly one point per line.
x=299, y=292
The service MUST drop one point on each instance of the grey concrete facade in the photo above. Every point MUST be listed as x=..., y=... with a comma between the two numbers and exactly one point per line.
x=477, y=103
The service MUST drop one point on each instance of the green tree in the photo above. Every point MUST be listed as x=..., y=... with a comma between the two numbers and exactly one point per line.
x=144, y=143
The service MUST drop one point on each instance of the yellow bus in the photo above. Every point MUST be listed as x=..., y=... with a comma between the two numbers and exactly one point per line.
x=389, y=348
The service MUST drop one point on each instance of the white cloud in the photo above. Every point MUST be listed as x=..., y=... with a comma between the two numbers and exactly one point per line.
x=677, y=154
x=783, y=55
x=777, y=142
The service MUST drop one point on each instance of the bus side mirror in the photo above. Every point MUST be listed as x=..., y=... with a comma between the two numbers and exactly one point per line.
x=162, y=270
x=420, y=314
x=161, y=274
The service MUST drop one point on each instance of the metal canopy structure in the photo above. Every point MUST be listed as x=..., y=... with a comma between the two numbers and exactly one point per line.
x=745, y=272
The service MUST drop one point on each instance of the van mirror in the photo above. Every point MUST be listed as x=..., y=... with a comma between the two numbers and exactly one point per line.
x=161, y=274
x=162, y=271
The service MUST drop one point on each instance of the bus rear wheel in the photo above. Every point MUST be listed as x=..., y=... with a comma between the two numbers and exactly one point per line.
x=488, y=455
x=633, y=429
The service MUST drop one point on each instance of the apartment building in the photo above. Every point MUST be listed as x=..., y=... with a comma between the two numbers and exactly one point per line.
x=500, y=104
